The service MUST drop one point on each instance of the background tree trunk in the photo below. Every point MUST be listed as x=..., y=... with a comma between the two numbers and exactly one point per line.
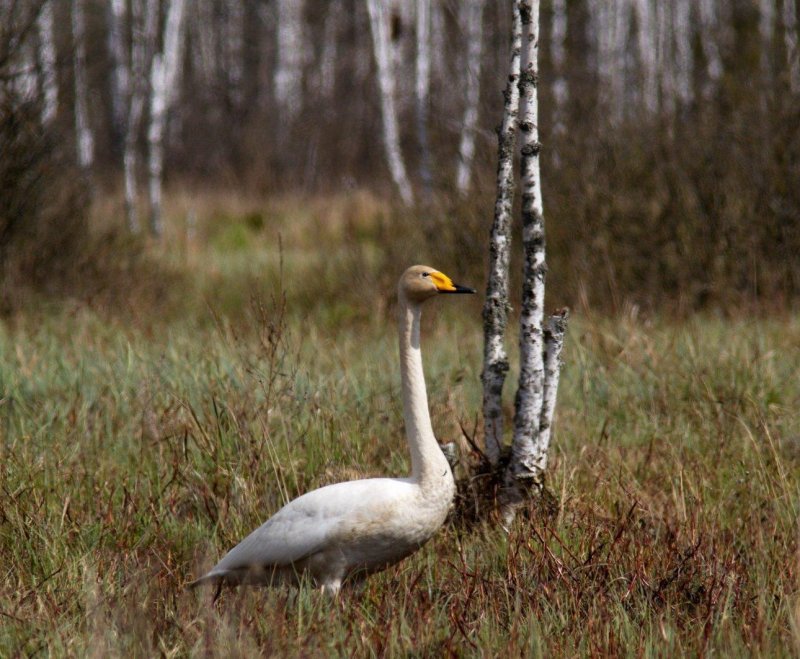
x=164, y=81
x=378, y=21
x=473, y=24
x=558, y=36
x=47, y=63
x=683, y=50
x=789, y=19
x=646, y=43
x=422, y=79
x=121, y=77
x=709, y=38
x=83, y=128
x=289, y=65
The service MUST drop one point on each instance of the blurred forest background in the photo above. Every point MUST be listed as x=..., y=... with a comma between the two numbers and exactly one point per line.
x=671, y=137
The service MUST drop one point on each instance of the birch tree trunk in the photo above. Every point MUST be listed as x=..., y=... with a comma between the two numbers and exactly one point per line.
x=289, y=67
x=646, y=43
x=664, y=56
x=164, y=78
x=438, y=39
x=144, y=26
x=558, y=36
x=47, y=63
x=684, y=54
x=789, y=19
x=83, y=129
x=466, y=150
x=233, y=48
x=422, y=92
x=330, y=48
x=528, y=456
x=709, y=27
x=496, y=307
x=379, y=27
x=120, y=87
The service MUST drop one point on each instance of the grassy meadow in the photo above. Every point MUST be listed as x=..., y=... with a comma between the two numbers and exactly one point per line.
x=141, y=442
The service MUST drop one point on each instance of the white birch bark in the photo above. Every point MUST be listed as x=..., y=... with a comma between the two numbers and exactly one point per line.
x=554, y=332
x=646, y=44
x=120, y=87
x=683, y=34
x=379, y=27
x=496, y=307
x=422, y=86
x=83, y=128
x=47, y=63
x=289, y=67
x=473, y=10
x=709, y=39
x=558, y=55
x=164, y=77
x=26, y=83
x=144, y=27
x=789, y=19
x=528, y=457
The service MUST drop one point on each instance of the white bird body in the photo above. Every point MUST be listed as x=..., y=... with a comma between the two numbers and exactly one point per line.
x=359, y=527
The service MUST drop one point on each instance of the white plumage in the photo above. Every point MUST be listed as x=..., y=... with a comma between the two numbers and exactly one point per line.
x=359, y=527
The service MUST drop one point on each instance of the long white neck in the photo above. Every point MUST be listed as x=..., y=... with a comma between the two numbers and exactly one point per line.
x=429, y=467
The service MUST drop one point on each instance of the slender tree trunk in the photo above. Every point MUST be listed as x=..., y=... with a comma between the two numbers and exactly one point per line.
x=83, y=128
x=528, y=455
x=685, y=56
x=496, y=307
x=709, y=27
x=558, y=36
x=330, y=50
x=665, y=63
x=391, y=132
x=555, y=329
x=144, y=26
x=120, y=87
x=47, y=62
x=621, y=25
x=789, y=17
x=766, y=28
x=422, y=92
x=466, y=150
x=165, y=71
x=646, y=42
x=438, y=41
x=289, y=67
x=233, y=47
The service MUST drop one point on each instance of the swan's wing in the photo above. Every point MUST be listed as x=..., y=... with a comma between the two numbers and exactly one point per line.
x=295, y=532
x=307, y=525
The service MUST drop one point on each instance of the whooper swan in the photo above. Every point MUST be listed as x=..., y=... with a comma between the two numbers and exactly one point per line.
x=359, y=527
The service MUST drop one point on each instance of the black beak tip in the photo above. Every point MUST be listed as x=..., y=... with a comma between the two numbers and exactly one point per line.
x=463, y=290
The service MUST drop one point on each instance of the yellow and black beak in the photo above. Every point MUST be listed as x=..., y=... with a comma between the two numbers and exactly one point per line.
x=445, y=285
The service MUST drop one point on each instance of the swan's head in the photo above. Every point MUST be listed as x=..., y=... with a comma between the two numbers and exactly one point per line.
x=421, y=282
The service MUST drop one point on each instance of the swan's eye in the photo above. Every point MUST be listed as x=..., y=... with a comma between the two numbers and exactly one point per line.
x=426, y=274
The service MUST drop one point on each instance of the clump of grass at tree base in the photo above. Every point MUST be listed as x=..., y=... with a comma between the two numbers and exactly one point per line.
x=135, y=454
